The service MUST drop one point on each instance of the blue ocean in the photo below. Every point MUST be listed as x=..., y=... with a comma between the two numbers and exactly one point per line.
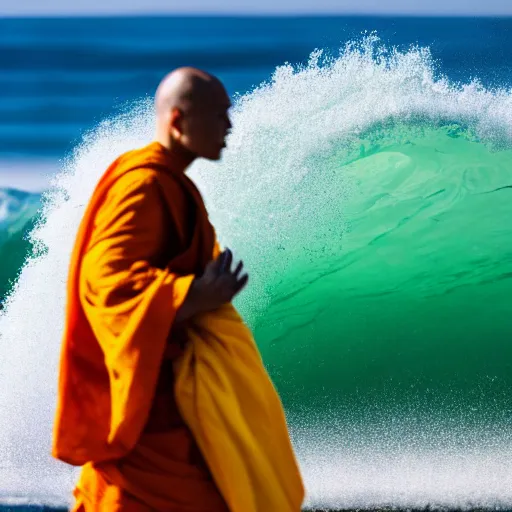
x=367, y=186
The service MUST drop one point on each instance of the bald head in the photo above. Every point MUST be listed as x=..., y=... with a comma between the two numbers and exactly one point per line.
x=192, y=112
x=187, y=88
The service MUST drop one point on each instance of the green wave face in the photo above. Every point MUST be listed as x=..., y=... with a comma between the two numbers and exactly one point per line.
x=389, y=339
x=15, y=247
x=407, y=311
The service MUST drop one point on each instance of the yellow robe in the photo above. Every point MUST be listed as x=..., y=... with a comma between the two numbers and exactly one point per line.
x=139, y=393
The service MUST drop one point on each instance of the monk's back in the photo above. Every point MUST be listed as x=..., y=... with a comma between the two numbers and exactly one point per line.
x=148, y=218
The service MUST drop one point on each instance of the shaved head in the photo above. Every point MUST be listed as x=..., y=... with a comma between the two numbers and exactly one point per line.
x=192, y=112
x=186, y=88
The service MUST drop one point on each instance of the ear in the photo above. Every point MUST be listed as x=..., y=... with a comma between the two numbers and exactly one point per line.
x=176, y=123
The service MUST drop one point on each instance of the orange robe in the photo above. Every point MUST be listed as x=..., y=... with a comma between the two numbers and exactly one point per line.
x=162, y=416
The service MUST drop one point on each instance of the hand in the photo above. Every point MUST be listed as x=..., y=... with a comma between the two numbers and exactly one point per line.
x=217, y=286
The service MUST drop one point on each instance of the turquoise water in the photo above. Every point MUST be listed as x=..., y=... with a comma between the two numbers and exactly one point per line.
x=369, y=198
x=410, y=305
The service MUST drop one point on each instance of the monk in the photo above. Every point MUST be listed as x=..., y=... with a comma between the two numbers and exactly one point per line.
x=163, y=398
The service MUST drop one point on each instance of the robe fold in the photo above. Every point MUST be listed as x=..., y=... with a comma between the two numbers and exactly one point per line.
x=162, y=416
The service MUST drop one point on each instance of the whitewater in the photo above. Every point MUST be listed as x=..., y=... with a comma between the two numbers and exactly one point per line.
x=369, y=198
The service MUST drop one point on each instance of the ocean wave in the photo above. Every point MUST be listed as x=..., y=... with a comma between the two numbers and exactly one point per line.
x=16, y=207
x=18, y=212
x=353, y=188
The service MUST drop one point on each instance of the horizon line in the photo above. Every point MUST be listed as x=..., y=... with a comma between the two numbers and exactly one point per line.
x=251, y=14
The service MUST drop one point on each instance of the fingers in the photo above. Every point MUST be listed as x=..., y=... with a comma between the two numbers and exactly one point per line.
x=219, y=265
x=227, y=260
x=241, y=283
x=238, y=269
x=227, y=283
x=223, y=262
x=230, y=284
x=239, y=280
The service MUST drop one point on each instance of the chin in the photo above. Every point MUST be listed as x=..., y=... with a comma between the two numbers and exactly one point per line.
x=214, y=156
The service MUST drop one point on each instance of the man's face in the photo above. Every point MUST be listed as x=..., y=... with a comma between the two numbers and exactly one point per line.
x=206, y=125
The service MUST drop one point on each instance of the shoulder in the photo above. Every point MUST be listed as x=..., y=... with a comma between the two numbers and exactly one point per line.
x=133, y=197
x=136, y=180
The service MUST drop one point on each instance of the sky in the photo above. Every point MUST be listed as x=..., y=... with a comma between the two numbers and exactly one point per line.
x=84, y=7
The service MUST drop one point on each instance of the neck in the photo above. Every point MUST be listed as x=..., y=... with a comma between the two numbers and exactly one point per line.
x=181, y=157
